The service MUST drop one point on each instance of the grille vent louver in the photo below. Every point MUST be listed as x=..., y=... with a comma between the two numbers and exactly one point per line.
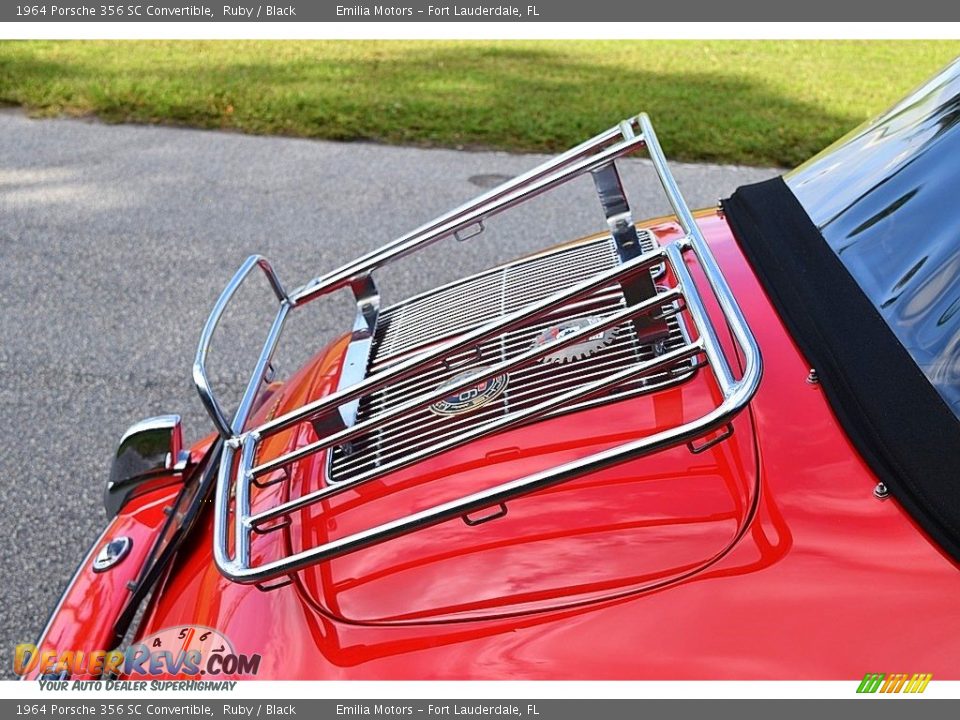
x=456, y=308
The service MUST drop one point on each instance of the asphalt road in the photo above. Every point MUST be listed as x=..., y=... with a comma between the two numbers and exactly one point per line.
x=116, y=240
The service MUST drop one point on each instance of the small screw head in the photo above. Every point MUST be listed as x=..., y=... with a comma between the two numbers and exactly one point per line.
x=881, y=491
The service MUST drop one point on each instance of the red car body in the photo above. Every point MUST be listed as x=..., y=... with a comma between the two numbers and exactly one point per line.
x=767, y=556
x=778, y=541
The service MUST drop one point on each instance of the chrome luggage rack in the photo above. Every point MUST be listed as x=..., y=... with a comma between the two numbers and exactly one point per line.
x=334, y=416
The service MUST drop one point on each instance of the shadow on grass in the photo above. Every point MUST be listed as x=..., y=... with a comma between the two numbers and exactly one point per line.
x=512, y=98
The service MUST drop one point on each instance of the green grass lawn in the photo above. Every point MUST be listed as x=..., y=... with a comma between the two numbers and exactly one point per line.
x=754, y=102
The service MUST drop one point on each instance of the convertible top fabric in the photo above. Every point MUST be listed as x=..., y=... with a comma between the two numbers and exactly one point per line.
x=892, y=414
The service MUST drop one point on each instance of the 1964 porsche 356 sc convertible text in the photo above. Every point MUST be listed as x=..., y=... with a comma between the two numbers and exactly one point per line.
x=720, y=444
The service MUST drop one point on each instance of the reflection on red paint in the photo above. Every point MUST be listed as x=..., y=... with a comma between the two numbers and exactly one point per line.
x=758, y=559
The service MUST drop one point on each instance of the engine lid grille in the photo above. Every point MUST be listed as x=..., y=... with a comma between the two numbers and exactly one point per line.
x=410, y=326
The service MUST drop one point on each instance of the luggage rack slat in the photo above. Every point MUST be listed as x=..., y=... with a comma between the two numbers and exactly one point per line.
x=238, y=464
x=503, y=324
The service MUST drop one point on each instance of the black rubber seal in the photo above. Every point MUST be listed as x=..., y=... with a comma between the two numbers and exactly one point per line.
x=890, y=411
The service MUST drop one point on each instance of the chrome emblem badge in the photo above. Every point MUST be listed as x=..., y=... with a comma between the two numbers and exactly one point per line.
x=112, y=553
x=578, y=350
x=470, y=397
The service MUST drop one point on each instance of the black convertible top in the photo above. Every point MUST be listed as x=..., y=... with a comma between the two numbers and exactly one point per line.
x=859, y=250
x=886, y=199
x=899, y=423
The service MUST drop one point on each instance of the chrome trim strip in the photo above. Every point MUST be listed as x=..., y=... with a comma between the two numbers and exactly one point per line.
x=200, y=377
x=221, y=505
x=235, y=563
x=503, y=423
x=357, y=356
x=466, y=435
x=500, y=325
x=695, y=240
x=248, y=449
x=498, y=494
x=479, y=208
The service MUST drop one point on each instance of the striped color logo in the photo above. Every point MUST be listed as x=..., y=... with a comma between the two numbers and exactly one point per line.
x=894, y=683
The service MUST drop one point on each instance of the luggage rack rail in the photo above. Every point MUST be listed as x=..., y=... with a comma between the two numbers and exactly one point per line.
x=238, y=464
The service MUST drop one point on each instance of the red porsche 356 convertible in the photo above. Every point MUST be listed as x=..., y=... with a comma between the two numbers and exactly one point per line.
x=720, y=444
